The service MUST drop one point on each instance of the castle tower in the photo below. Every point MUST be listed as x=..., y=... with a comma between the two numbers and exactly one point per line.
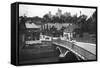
x=59, y=13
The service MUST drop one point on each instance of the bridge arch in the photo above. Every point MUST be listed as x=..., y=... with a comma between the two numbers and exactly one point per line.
x=62, y=51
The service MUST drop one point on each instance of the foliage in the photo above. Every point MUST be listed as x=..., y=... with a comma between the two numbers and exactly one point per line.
x=85, y=25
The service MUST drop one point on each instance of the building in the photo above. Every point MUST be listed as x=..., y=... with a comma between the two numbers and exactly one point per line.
x=32, y=31
x=68, y=32
x=67, y=14
x=50, y=15
x=59, y=13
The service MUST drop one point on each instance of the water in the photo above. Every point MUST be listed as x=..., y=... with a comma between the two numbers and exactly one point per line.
x=43, y=54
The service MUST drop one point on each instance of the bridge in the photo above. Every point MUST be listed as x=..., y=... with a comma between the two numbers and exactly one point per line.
x=85, y=51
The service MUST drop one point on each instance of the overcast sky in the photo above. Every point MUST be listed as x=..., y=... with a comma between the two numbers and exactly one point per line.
x=37, y=10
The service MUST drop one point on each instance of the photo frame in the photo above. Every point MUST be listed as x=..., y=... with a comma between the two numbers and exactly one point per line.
x=52, y=33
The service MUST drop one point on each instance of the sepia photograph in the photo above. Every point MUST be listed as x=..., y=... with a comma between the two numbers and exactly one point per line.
x=56, y=34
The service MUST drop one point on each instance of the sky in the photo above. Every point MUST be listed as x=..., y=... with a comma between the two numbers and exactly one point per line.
x=37, y=10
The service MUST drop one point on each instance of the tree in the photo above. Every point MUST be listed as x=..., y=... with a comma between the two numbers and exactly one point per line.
x=22, y=22
x=46, y=18
x=74, y=19
x=81, y=21
x=55, y=19
x=92, y=23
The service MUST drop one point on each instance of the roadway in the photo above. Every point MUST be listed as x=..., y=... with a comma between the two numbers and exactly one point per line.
x=87, y=46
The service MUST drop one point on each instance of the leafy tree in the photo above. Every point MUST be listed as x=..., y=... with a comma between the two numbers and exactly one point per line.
x=92, y=23
x=22, y=22
x=46, y=18
x=74, y=19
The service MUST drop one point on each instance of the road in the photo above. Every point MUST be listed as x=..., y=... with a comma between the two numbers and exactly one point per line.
x=87, y=46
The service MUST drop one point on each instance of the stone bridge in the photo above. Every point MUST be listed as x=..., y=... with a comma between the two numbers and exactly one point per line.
x=85, y=51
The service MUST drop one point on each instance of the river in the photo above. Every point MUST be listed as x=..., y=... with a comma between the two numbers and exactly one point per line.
x=45, y=53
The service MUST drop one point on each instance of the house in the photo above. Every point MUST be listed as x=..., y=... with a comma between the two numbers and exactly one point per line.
x=30, y=35
x=32, y=31
x=68, y=32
